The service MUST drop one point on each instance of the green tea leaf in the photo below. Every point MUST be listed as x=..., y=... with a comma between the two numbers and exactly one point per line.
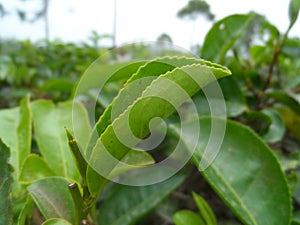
x=49, y=121
x=184, y=217
x=53, y=198
x=15, y=132
x=277, y=127
x=6, y=214
x=35, y=168
x=205, y=210
x=242, y=148
x=145, y=75
x=138, y=105
x=222, y=36
x=127, y=204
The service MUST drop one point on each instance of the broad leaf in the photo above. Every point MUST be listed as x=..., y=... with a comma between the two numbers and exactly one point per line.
x=222, y=36
x=184, y=217
x=53, y=198
x=49, y=121
x=35, y=168
x=6, y=215
x=245, y=174
x=127, y=204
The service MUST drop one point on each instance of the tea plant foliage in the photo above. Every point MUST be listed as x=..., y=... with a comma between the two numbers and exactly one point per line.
x=60, y=167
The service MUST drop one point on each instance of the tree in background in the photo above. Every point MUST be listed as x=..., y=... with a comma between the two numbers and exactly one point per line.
x=41, y=13
x=2, y=11
x=165, y=38
x=194, y=9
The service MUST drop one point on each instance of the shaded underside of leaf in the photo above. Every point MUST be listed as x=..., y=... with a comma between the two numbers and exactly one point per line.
x=53, y=198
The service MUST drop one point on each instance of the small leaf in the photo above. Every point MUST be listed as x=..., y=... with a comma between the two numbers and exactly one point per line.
x=35, y=168
x=276, y=129
x=127, y=204
x=6, y=214
x=291, y=120
x=56, y=222
x=53, y=198
x=258, y=121
x=205, y=210
x=294, y=8
x=187, y=217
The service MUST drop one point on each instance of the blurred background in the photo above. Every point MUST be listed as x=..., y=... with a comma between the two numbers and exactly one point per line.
x=115, y=22
x=46, y=45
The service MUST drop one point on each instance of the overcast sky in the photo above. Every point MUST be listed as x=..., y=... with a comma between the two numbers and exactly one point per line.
x=137, y=20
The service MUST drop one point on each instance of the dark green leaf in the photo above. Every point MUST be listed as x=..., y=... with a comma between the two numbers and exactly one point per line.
x=222, y=36
x=78, y=155
x=245, y=164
